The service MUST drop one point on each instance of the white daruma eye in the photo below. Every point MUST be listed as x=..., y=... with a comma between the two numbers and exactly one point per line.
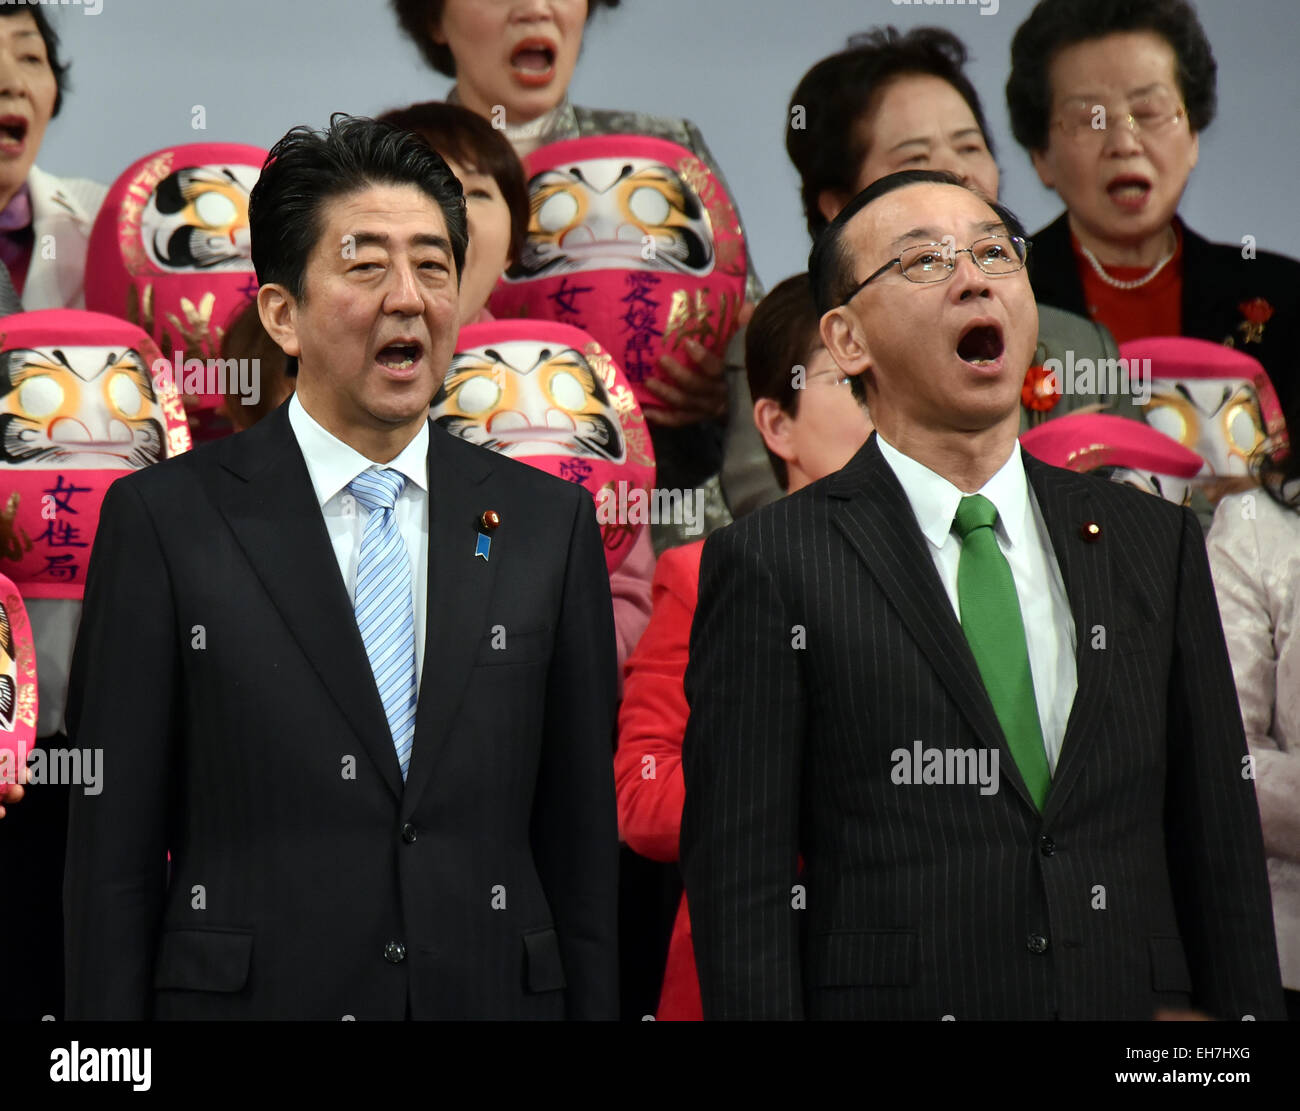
x=649, y=206
x=216, y=210
x=1167, y=419
x=558, y=212
x=125, y=395
x=1241, y=428
x=478, y=395
x=40, y=396
x=567, y=391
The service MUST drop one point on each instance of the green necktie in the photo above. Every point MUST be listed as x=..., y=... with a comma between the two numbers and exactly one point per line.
x=990, y=618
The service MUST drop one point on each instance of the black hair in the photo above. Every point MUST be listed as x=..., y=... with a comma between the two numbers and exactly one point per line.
x=830, y=266
x=306, y=168
x=467, y=138
x=51, y=39
x=417, y=19
x=1054, y=25
x=838, y=91
x=780, y=335
x=1278, y=475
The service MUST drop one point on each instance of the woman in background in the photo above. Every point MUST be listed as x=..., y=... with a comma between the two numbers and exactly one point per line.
x=810, y=429
x=1110, y=97
x=1254, y=547
x=38, y=211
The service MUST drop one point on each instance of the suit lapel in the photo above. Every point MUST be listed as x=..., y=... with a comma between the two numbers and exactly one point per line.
x=1067, y=506
x=870, y=508
x=457, y=595
x=273, y=512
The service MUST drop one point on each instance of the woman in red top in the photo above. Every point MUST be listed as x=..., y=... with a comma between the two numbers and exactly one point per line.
x=1110, y=98
x=813, y=420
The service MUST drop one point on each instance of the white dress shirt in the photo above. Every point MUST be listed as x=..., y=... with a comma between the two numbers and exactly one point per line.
x=1023, y=539
x=332, y=464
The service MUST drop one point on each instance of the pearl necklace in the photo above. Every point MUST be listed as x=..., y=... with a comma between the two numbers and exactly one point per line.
x=1136, y=282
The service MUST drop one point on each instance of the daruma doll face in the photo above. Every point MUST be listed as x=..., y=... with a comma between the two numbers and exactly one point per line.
x=197, y=219
x=1218, y=418
x=78, y=407
x=621, y=213
x=550, y=396
x=171, y=249
x=528, y=397
x=85, y=398
x=633, y=240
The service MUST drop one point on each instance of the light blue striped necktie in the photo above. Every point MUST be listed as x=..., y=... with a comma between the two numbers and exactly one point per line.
x=385, y=615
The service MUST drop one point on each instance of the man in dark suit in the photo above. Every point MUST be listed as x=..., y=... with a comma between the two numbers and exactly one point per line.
x=985, y=701
x=346, y=839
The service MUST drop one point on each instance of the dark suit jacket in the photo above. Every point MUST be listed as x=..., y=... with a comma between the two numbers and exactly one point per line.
x=1216, y=282
x=824, y=642
x=220, y=668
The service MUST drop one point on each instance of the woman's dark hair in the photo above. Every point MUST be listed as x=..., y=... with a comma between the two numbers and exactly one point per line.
x=782, y=334
x=1275, y=474
x=467, y=138
x=1056, y=24
x=829, y=146
x=830, y=266
x=306, y=168
x=417, y=19
x=51, y=39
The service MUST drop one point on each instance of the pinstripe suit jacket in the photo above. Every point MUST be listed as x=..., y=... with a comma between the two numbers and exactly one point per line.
x=824, y=642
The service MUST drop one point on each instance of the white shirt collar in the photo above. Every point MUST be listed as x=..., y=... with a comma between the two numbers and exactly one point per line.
x=332, y=464
x=934, y=499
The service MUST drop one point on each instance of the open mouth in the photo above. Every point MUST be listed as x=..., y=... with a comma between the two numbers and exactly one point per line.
x=400, y=356
x=1129, y=190
x=13, y=133
x=533, y=61
x=980, y=345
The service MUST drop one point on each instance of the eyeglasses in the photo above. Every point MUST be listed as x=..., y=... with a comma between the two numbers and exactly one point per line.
x=996, y=255
x=1151, y=114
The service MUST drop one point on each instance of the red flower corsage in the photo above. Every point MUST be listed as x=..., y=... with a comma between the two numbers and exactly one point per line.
x=1040, y=392
x=1257, y=312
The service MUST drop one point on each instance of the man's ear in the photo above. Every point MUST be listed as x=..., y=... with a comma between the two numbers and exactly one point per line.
x=773, y=424
x=279, y=312
x=830, y=202
x=1043, y=168
x=843, y=337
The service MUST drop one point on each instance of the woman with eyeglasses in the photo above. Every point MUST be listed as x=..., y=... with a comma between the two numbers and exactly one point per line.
x=1110, y=98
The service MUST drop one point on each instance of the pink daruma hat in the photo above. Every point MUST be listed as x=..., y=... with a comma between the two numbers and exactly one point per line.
x=1225, y=425
x=18, y=701
x=634, y=240
x=550, y=396
x=84, y=399
x=1086, y=441
x=171, y=251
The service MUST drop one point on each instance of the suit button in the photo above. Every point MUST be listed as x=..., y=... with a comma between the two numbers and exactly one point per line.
x=395, y=952
x=408, y=833
x=1037, y=943
x=1047, y=846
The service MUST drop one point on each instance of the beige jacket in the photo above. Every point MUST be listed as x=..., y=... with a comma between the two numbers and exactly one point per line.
x=1254, y=547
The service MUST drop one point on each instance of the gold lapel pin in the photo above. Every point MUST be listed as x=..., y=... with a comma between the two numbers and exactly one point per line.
x=1091, y=532
x=488, y=520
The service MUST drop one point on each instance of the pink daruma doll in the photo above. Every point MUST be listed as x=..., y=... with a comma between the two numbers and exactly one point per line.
x=171, y=251
x=550, y=396
x=18, y=701
x=84, y=399
x=633, y=240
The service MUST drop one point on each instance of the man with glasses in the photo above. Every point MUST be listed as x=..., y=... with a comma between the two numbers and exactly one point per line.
x=985, y=702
